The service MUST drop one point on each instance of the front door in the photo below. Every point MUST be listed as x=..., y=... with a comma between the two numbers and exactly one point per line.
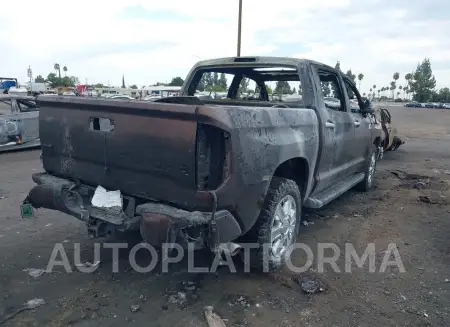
x=338, y=131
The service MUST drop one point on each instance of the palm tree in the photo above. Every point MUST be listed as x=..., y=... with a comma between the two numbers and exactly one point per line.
x=396, y=76
x=392, y=88
x=360, y=78
x=65, y=70
x=408, y=77
x=57, y=68
x=379, y=93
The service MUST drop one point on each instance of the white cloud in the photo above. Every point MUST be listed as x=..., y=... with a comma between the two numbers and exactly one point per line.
x=97, y=41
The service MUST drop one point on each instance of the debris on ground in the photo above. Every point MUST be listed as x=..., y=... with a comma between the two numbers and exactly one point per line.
x=400, y=174
x=239, y=300
x=189, y=286
x=306, y=283
x=306, y=223
x=419, y=185
x=135, y=308
x=425, y=199
x=88, y=264
x=276, y=302
x=30, y=305
x=180, y=299
x=33, y=272
x=310, y=284
x=212, y=318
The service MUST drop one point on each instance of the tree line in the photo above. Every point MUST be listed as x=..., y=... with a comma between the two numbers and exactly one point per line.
x=419, y=85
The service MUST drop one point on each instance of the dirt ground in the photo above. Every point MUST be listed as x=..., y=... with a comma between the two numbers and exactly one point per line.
x=391, y=213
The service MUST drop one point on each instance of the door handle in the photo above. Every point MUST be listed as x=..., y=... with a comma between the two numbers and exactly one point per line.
x=330, y=124
x=357, y=123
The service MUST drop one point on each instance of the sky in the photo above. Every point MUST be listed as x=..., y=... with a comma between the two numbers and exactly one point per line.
x=151, y=41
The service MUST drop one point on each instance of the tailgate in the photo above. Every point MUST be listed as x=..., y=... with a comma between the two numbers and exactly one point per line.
x=143, y=149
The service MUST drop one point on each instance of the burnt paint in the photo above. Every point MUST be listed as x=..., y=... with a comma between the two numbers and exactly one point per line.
x=151, y=152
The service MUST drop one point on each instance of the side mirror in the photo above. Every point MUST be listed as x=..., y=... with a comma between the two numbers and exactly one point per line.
x=367, y=107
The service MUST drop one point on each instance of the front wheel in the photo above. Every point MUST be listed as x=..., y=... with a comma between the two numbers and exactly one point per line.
x=369, y=174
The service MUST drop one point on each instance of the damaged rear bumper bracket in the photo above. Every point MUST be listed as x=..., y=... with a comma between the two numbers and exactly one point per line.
x=74, y=199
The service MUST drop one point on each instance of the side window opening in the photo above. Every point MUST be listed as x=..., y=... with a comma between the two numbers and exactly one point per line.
x=331, y=91
x=353, y=99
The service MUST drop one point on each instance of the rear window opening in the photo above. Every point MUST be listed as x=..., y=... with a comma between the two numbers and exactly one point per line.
x=252, y=85
x=101, y=124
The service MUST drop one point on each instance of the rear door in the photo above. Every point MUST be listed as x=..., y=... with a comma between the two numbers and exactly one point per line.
x=362, y=127
x=338, y=130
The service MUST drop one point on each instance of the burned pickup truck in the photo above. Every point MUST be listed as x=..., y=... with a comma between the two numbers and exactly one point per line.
x=210, y=172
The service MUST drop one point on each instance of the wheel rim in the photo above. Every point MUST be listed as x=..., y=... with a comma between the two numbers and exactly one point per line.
x=371, y=168
x=283, y=226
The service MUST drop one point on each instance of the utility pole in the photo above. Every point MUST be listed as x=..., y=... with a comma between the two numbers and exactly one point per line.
x=239, y=29
x=30, y=75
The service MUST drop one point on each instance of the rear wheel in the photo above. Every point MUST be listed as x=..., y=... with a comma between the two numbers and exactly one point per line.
x=277, y=226
x=371, y=164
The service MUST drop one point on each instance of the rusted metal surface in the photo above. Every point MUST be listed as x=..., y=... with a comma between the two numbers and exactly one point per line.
x=154, y=228
x=391, y=141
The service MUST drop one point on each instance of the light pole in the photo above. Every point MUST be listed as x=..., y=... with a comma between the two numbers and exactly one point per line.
x=30, y=75
x=239, y=29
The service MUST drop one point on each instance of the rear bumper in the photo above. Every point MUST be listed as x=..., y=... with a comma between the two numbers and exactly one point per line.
x=74, y=199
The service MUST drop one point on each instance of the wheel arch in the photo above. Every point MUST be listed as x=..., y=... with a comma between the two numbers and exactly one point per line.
x=296, y=169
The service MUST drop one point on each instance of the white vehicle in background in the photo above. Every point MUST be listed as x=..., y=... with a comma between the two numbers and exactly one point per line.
x=18, y=91
x=161, y=90
x=121, y=97
x=152, y=98
x=69, y=93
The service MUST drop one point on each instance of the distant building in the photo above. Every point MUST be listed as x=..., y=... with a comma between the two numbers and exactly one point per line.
x=38, y=88
x=162, y=90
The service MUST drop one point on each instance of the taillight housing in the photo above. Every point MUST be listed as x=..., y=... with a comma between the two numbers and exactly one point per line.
x=213, y=154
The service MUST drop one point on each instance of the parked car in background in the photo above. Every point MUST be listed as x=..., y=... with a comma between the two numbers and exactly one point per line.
x=19, y=122
x=429, y=105
x=121, y=97
x=413, y=104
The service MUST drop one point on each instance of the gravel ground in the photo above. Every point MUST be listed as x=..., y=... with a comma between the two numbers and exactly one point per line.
x=391, y=213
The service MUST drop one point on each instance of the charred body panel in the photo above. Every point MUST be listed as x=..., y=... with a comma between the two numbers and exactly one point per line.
x=151, y=157
x=203, y=165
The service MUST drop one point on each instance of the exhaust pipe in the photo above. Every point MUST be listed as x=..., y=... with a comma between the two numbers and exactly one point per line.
x=230, y=248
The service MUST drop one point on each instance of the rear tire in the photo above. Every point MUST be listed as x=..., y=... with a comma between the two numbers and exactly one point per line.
x=277, y=226
x=366, y=184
